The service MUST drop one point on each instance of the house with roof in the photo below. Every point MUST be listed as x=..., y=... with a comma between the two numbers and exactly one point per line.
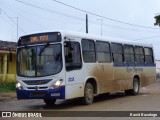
x=7, y=60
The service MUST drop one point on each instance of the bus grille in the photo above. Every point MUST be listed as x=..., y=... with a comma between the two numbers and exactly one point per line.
x=39, y=88
x=37, y=82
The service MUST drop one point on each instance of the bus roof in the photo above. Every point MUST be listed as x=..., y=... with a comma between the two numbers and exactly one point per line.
x=97, y=37
x=103, y=38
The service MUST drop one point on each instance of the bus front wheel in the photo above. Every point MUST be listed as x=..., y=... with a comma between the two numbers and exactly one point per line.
x=49, y=101
x=88, y=94
x=135, y=89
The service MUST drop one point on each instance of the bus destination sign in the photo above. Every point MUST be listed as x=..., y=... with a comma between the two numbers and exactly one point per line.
x=40, y=38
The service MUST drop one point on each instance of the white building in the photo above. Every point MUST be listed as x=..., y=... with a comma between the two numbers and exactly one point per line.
x=158, y=67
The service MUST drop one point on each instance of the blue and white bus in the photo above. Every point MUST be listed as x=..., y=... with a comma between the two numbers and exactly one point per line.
x=66, y=65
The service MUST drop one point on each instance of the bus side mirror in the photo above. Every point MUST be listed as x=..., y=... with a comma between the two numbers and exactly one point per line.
x=10, y=56
x=68, y=45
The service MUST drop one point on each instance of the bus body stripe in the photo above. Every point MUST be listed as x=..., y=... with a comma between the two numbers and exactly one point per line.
x=133, y=65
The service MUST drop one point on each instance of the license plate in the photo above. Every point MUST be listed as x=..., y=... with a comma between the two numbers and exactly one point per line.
x=37, y=94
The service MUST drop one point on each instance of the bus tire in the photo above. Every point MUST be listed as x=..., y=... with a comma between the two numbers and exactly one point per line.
x=135, y=89
x=49, y=101
x=88, y=94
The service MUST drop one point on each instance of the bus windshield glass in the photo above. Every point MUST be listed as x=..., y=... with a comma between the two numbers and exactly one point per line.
x=42, y=60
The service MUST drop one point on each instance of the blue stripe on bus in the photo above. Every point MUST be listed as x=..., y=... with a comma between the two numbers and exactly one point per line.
x=58, y=93
x=133, y=65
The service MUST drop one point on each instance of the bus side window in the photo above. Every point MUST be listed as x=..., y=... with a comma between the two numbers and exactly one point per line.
x=103, y=52
x=129, y=54
x=72, y=55
x=148, y=55
x=88, y=48
x=117, y=53
x=139, y=54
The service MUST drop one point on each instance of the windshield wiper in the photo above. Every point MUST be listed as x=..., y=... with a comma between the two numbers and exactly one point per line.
x=43, y=49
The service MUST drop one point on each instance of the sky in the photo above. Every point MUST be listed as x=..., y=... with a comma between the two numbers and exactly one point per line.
x=112, y=18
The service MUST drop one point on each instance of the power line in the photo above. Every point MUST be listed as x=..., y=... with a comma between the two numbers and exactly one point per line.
x=27, y=19
x=6, y=20
x=69, y=16
x=13, y=21
x=112, y=26
x=147, y=38
x=103, y=16
x=124, y=28
x=49, y=10
x=42, y=8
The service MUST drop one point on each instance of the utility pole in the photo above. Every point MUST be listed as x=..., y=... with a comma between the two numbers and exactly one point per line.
x=101, y=25
x=86, y=23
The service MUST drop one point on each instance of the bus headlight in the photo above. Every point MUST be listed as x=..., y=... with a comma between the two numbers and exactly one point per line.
x=19, y=86
x=57, y=83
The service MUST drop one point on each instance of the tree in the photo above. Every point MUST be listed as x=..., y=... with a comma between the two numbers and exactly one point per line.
x=157, y=20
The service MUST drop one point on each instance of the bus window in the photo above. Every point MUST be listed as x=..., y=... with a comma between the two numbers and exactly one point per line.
x=117, y=52
x=128, y=53
x=72, y=55
x=148, y=55
x=88, y=48
x=103, y=52
x=33, y=64
x=139, y=54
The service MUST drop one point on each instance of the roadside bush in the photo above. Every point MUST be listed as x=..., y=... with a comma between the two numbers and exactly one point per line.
x=7, y=84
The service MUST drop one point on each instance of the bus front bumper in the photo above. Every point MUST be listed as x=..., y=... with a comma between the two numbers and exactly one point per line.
x=58, y=93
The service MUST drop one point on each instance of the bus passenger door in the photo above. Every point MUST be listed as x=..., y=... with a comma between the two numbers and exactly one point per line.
x=73, y=65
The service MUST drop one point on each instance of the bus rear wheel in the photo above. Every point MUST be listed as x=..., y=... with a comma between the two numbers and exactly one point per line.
x=135, y=89
x=88, y=94
x=49, y=101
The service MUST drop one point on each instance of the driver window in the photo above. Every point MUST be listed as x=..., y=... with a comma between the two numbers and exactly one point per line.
x=72, y=55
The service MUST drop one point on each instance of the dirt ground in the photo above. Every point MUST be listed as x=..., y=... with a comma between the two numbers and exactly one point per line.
x=152, y=89
x=147, y=100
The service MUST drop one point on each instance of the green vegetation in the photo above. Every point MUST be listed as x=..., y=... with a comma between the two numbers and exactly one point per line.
x=7, y=85
x=157, y=20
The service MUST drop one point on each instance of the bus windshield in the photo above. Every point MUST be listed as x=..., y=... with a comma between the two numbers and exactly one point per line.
x=42, y=60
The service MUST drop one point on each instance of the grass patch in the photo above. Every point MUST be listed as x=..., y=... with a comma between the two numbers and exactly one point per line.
x=7, y=86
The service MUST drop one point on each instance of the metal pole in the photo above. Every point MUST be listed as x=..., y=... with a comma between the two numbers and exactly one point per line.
x=86, y=23
x=101, y=26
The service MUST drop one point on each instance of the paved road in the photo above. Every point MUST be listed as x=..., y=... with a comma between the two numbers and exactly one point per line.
x=147, y=100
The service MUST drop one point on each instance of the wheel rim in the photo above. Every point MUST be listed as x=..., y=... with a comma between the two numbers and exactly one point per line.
x=136, y=86
x=89, y=94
